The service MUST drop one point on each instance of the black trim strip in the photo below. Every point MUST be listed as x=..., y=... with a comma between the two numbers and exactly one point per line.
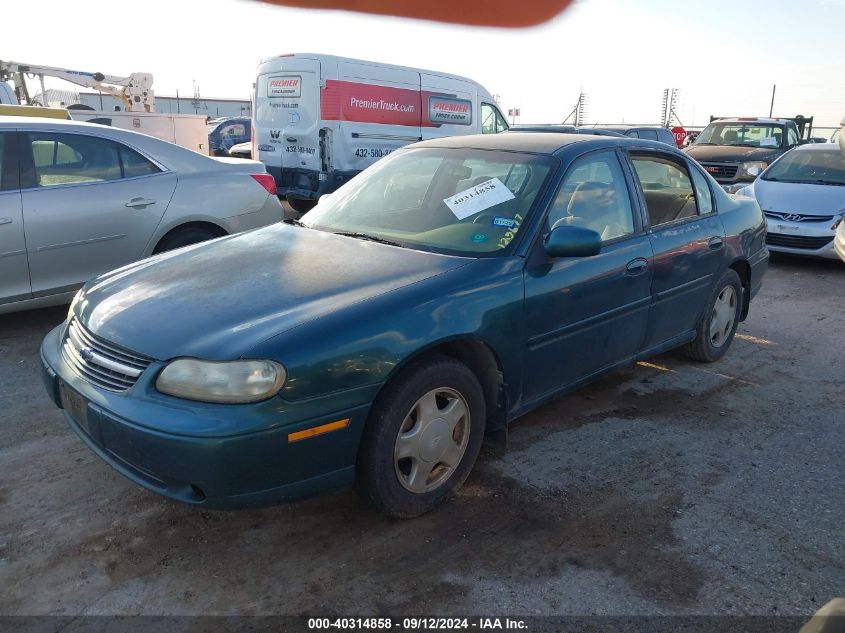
x=550, y=337
x=684, y=288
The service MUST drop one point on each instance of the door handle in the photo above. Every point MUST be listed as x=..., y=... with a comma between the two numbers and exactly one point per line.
x=137, y=203
x=715, y=242
x=636, y=266
x=5, y=221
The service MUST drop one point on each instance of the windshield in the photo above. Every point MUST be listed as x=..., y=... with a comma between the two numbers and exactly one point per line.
x=741, y=134
x=816, y=166
x=455, y=201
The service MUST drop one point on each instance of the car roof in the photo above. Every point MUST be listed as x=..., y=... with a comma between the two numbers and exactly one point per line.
x=536, y=142
x=541, y=127
x=623, y=126
x=816, y=147
x=762, y=120
x=560, y=129
x=172, y=156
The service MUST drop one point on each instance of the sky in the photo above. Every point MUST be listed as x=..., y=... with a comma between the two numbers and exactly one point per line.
x=723, y=56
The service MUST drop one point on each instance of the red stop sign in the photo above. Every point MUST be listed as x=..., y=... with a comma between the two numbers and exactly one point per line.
x=680, y=134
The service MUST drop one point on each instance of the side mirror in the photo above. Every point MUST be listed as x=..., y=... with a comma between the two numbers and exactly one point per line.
x=572, y=241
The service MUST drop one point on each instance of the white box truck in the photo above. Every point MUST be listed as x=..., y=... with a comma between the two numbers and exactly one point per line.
x=186, y=130
x=319, y=119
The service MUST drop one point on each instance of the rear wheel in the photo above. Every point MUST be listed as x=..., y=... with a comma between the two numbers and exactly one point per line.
x=184, y=237
x=716, y=329
x=423, y=437
x=301, y=205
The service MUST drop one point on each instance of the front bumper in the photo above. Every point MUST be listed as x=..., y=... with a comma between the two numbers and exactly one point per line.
x=801, y=238
x=216, y=471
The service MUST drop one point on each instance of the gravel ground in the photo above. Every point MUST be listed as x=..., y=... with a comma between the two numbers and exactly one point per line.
x=668, y=488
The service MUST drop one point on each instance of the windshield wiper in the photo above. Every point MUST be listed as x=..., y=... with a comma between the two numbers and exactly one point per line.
x=294, y=222
x=827, y=182
x=704, y=143
x=367, y=237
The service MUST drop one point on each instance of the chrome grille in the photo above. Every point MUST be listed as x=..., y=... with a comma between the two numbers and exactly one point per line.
x=797, y=217
x=101, y=363
x=721, y=171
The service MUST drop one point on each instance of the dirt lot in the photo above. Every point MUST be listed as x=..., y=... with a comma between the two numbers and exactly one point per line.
x=667, y=488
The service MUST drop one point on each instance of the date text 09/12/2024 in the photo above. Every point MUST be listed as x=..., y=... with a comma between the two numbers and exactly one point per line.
x=416, y=624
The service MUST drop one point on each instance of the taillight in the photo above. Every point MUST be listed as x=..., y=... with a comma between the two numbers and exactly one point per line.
x=252, y=153
x=267, y=181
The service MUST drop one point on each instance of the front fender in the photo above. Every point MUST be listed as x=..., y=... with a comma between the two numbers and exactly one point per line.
x=367, y=343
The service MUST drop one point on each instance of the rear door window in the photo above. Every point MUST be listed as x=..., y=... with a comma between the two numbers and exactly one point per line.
x=69, y=159
x=134, y=164
x=667, y=188
x=702, y=192
x=9, y=171
x=65, y=159
x=650, y=135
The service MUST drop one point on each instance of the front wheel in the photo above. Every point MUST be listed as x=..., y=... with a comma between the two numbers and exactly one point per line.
x=716, y=329
x=423, y=437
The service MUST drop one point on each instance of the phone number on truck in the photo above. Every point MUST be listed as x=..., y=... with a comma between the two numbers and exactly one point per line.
x=370, y=152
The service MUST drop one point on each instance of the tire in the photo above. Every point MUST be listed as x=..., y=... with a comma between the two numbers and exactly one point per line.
x=301, y=205
x=717, y=326
x=183, y=237
x=438, y=459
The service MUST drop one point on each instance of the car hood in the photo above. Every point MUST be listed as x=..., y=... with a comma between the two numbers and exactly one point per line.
x=788, y=197
x=729, y=154
x=218, y=299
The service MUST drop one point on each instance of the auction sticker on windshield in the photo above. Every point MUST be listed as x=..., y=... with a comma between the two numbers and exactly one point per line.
x=478, y=198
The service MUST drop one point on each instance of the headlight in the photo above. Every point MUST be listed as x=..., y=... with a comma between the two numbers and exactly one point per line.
x=752, y=168
x=73, y=303
x=237, y=381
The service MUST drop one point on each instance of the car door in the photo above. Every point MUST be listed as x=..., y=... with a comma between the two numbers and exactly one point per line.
x=687, y=238
x=586, y=313
x=90, y=205
x=14, y=271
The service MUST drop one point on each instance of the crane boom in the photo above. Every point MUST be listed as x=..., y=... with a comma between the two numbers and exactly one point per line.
x=135, y=91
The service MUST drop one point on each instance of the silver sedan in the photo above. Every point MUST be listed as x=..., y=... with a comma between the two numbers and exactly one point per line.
x=802, y=195
x=79, y=199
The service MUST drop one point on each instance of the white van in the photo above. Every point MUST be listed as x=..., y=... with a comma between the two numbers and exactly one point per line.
x=319, y=120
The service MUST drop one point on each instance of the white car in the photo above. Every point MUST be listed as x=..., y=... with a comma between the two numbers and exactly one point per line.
x=241, y=150
x=79, y=199
x=839, y=239
x=802, y=195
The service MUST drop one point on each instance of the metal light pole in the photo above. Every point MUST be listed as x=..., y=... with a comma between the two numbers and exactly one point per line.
x=772, y=107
